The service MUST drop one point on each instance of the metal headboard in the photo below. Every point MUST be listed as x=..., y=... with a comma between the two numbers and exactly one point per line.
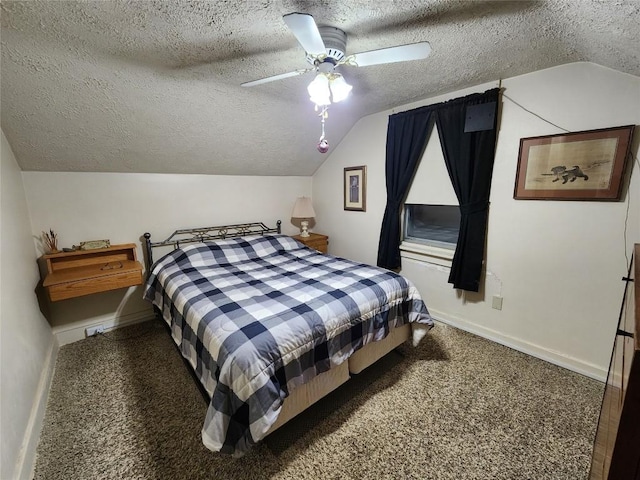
x=205, y=234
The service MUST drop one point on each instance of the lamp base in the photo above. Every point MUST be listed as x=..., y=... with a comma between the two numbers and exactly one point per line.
x=304, y=228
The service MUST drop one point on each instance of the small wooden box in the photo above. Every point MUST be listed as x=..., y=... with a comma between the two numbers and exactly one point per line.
x=315, y=240
x=84, y=272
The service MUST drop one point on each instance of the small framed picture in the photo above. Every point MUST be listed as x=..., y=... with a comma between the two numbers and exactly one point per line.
x=585, y=165
x=355, y=188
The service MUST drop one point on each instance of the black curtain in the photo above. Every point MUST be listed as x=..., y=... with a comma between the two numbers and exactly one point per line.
x=407, y=135
x=469, y=159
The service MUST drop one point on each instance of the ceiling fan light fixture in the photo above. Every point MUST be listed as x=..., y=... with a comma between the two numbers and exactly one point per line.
x=319, y=92
x=328, y=88
x=340, y=89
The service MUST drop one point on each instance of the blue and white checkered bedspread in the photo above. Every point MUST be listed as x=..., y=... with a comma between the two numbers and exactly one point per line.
x=257, y=316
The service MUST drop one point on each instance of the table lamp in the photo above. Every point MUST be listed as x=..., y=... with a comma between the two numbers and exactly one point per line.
x=303, y=209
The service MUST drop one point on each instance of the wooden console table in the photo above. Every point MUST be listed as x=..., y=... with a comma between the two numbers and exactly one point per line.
x=84, y=272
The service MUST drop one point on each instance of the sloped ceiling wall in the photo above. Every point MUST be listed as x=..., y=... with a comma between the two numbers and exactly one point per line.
x=154, y=86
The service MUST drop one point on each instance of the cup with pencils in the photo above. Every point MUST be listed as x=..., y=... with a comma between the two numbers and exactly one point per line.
x=50, y=240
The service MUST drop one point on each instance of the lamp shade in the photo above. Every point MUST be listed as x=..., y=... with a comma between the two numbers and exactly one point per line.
x=328, y=88
x=319, y=90
x=303, y=208
x=339, y=89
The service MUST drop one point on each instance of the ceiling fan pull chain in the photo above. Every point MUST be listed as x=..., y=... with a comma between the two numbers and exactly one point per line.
x=323, y=116
x=323, y=145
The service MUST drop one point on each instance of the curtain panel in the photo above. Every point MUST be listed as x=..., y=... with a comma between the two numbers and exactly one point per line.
x=469, y=160
x=407, y=135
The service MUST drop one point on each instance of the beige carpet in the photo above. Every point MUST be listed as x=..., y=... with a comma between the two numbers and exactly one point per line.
x=457, y=407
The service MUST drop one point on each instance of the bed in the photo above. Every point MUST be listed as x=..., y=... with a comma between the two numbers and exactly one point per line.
x=270, y=326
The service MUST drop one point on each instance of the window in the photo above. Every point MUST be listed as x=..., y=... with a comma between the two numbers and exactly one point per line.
x=435, y=225
x=430, y=232
x=431, y=205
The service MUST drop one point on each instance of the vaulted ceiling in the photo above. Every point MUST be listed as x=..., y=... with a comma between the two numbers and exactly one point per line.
x=154, y=86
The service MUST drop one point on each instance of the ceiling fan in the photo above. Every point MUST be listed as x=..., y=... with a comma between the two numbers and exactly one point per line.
x=326, y=49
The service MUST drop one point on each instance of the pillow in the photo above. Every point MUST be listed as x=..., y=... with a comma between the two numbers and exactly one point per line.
x=231, y=250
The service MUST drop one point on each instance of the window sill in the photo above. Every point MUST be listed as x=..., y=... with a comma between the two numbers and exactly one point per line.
x=427, y=253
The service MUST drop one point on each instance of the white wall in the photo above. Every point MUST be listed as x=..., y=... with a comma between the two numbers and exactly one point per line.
x=557, y=264
x=121, y=207
x=28, y=347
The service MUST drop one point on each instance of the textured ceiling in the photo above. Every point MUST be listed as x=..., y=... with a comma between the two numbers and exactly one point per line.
x=154, y=86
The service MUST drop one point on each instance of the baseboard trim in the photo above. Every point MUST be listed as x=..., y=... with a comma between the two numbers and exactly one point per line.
x=26, y=458
x=66, y=334
x=564, y=361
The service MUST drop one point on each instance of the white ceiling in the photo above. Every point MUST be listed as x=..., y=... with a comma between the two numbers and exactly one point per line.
x=154, y=86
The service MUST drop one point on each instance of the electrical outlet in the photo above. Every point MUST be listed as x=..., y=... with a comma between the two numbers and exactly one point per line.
x=95, y=330
x=497, y=302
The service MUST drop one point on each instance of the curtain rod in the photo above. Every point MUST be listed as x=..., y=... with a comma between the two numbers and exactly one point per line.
x=435, y=106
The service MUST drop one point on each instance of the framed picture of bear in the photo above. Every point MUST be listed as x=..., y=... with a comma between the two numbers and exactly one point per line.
x=586, y=165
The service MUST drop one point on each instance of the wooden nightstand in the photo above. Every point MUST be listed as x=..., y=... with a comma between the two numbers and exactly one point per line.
x=84, y=272
x=314, y=240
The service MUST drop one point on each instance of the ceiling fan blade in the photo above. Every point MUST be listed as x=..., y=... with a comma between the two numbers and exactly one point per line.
x=401, y=53
x=275, y=77
x=306, y=32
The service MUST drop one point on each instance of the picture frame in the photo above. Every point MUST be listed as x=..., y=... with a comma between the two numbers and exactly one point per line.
x=586, y=165
x=355, y=188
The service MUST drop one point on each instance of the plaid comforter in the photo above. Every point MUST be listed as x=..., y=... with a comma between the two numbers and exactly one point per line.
x=257, y=316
